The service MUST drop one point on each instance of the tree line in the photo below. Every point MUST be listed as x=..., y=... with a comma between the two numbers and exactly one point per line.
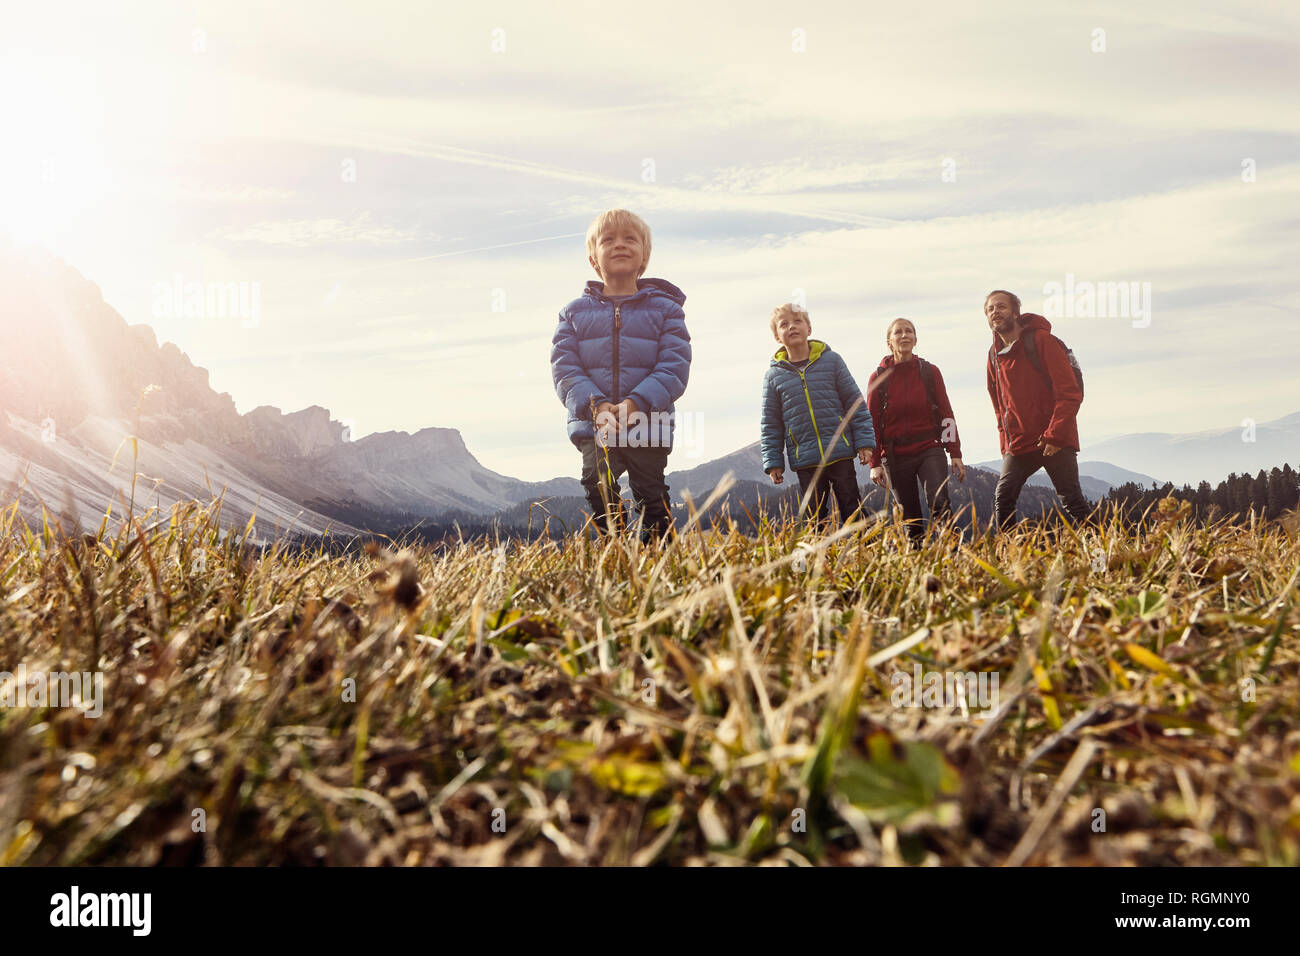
x=1268, y=494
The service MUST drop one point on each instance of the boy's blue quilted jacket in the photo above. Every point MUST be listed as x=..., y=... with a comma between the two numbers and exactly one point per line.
x=638, y=348
x=802, y=410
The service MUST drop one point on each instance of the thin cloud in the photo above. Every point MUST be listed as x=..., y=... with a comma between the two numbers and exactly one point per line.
x=314, y=232
x=655, y=195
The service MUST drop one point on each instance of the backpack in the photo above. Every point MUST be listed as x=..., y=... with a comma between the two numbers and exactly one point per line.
x=926, y=371
x=1031, y=352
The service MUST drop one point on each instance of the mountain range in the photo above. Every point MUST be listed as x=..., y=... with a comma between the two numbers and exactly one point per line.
x=77, y=381
x=1206, y=455
x=1095, y=477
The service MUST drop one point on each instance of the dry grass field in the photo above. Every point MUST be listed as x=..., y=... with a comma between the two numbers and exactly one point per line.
x=719, y=700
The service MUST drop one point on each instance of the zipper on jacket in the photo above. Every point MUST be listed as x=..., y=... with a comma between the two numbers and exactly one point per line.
x=618, y=324
x=808, y=399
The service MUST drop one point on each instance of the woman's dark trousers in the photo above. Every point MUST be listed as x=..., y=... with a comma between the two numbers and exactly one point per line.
x=930, y=468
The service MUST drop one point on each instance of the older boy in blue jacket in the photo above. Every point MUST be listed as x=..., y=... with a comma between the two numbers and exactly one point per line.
x=807, y=393
x=620, y=358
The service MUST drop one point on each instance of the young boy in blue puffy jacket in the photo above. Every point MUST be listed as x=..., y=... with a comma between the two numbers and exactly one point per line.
x=620, y=358
x=807, y=393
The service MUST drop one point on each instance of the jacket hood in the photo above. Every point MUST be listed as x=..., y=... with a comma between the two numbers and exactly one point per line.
x=596, y=289
x=1029, y=321
x=815, y=348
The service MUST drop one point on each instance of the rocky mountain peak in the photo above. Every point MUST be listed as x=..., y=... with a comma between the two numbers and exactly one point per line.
x=306, y=433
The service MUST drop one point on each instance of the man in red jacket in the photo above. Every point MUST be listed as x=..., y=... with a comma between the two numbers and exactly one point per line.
x=1036, y=407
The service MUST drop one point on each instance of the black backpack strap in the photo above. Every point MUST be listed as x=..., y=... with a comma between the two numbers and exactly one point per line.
x=882, y=386
x=927, y=379
x=1069, y=354
x=1031, y=350
x=997, y=383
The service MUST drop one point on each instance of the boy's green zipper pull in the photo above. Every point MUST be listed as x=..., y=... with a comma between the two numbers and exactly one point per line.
x=811, y=415
x=618, y=323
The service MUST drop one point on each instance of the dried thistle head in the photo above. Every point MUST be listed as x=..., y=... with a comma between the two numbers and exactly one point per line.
x=403, y=586
x=82, y=544
x=1171, y=510
x=343, y=611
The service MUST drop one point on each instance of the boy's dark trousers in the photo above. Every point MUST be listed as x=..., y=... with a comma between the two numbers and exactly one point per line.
x=1062, y=468
x=930, y=466
x=645, y=473
x=842, y=480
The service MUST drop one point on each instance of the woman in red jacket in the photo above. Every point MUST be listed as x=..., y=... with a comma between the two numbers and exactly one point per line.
x=914, y=425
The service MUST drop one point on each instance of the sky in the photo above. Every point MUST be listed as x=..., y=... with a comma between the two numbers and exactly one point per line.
x=404, y=191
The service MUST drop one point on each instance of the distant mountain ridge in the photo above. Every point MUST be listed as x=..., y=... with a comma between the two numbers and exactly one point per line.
x=745, y=464
x=1209, y=455
x=1096, y=477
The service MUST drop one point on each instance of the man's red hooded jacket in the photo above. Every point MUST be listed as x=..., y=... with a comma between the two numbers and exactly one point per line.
x=1027, y=409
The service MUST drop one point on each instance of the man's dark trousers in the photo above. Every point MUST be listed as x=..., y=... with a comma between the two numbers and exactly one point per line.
x=645, y=473
x=842, y=480
x=1062, y=468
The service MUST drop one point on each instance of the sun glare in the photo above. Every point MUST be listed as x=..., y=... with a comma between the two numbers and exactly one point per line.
x=52, y=169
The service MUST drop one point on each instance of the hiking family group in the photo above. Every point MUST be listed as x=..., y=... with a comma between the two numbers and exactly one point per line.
x=621, y=358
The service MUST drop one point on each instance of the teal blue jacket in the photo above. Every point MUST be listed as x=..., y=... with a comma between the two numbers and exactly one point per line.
x=802, y=410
